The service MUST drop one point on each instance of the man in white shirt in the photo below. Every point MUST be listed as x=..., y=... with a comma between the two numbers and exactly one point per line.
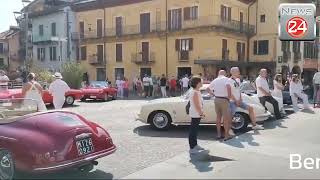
x=3, y=80
x=218, y=89
x=234, y=93
x=58, y=89
x=316, y=86
x=185, y=83
x=119, y=85
x=146, y=85
x=264, y=92
x=296, y=92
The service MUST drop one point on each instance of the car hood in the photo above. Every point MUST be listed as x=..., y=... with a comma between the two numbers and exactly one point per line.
x=91, y=90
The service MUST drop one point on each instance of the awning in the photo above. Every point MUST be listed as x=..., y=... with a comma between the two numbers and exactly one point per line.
x=222, y=63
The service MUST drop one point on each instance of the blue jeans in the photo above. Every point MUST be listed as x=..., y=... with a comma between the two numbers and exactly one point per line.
x=233, y=107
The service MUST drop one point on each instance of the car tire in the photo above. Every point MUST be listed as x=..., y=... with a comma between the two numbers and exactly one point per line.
x=114, y=97
x=86, y=168
x=160, y=120
x=240, y=122
x=7, y=166
x=70, y=100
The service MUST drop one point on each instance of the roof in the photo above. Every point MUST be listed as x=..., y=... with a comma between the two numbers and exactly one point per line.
x=5, y=34
x=86, y=5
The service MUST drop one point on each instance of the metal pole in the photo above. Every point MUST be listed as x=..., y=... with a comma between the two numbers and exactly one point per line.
x=166, y=37
x=27, y=40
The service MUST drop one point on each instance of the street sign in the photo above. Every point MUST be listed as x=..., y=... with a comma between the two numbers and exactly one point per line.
x=297, y=22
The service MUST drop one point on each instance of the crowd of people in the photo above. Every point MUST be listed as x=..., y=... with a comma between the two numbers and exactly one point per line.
x=228, y=98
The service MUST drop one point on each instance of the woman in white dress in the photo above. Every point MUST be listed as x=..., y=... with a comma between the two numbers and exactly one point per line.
x=278, y=86
x=33, y=90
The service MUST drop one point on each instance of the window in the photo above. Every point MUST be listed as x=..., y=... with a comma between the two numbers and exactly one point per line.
x=310, y=50
x=119, y=52
x=263, y=18
x=241, y=50
x=41, y=30
x=1, y=48
x=183, y=46
x=1, y=62
x=145, y=23
x=81, y=29
x=119, y=26
x=225, y=51
x=285, y=46
x=83, y=53
x=99, y=28
x=119, y=72
x=145, y=51
x=41, y=54
x=53, y=29
x=174, y=19
x=100, y=53
x=225, y=13
x=261, y=47
x=190, y=13
x=53, y=53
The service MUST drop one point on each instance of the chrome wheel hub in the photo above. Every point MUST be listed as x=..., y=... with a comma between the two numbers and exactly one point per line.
x=5, y=162
x=237, y=122
x=160, y=120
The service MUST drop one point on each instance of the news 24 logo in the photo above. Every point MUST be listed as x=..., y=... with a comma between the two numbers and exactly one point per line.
x=297, y=22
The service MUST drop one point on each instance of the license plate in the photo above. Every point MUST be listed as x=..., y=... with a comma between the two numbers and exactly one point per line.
x=85, y=146
x=93, y=97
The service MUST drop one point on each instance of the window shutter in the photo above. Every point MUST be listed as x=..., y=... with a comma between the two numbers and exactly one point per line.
x=190, y=44
x=169, y=19
x=255, y=49
x=178, y=45
x=229, y=13
x=243, y=49
x=238, y=47
x=186, y=12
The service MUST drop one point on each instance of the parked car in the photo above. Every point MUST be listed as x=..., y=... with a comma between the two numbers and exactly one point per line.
x=162, y=113
x=43, y=142
x=71, y=96
x=99, y=90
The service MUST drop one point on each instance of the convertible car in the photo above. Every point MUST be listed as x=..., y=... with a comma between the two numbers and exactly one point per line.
x=162, y=113
x=33, y=142
x=71, y=96
x=99, y=90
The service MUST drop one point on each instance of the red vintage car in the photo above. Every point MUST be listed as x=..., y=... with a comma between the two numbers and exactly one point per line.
x=34, y=142
x=71, y=96
x=99, y=90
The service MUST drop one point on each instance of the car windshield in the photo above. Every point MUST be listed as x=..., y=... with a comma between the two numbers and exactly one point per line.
x=10, y=109
x=99, y=84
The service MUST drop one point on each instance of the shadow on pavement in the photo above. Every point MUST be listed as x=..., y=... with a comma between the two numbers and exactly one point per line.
x=66, y=175
x=203, y=161
x=206, y=132
x=246, y=138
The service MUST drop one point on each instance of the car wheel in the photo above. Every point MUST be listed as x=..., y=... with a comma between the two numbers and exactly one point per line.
x=114, y=97
x=160, y=120
x=7, y=170
x=240, y=122
x=70, y=100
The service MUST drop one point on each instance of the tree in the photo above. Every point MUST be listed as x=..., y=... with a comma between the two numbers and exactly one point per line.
x=72, y=73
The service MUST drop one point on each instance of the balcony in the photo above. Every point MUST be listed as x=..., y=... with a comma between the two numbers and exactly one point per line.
x=297, y=57
x=138, y=58
x=45, y=38
x=286, y=56
x=95, y=60
x=207, y=23
x=183, y=56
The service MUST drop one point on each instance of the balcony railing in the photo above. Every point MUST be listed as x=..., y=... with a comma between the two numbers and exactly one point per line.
x=286, y=56
x=36, y=38
x=95, y=60
x=138, y=58
x=201, y=22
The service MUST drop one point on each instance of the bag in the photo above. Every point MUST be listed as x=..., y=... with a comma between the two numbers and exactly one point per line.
x=188, y=108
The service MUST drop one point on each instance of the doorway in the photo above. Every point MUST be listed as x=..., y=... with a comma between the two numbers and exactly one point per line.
x=182, y=71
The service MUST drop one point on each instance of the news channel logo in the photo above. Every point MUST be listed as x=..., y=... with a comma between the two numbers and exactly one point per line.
x=297, y=22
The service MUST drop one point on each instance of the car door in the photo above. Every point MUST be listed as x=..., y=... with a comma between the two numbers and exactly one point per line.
x=209, y=109
x=47, y=97
x=179, y=110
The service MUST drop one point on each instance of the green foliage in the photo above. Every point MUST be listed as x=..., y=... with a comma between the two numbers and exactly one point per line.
x=72, y=74
x=42, y=75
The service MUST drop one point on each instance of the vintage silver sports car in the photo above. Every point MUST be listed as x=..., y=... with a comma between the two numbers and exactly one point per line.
x=162, y=113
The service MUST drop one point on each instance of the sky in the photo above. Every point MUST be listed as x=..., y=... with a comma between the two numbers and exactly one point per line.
x=7, y=7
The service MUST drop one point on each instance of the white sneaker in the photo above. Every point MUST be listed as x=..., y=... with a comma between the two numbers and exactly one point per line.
x=231, y=133
x=258, y=127
x=199, y=148
x=194, y=151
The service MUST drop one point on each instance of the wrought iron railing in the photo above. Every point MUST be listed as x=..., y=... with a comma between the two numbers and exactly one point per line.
x=138, y=58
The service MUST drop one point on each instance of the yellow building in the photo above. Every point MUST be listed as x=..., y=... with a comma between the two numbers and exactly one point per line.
x=177, y=37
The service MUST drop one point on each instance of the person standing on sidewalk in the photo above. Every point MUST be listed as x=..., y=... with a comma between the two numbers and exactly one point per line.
x=163, y=86
x=218, y=89
x=146, y=85
x=264, y=92
x=173, y=86
x=58, y=89
x=316, y=87
x=3, y=80
x=196, y=113
x=296, y=92
x=234, y=93
x=185, y=83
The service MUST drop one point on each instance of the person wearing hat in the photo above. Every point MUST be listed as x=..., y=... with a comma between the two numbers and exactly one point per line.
x=58, y=89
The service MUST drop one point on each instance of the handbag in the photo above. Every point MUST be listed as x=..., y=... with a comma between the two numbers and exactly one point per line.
x=188, y=108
